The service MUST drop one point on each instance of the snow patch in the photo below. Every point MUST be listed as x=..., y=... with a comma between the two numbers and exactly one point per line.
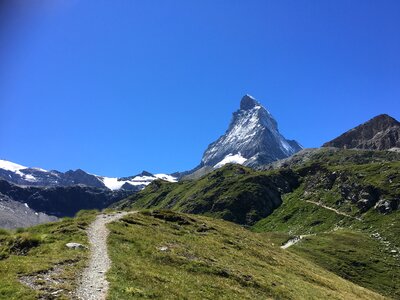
x=29, y=177
x=231, y=159
x=166, y=177
x=250, y=96
x=112, y=183
x=116, y=183
x=10, y=166
x=40, y=169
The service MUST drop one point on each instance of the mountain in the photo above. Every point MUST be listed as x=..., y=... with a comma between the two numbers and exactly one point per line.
x=15, y=214
x=29, y=196
x=59, y=201
x=26, y=176
x=338, y=207
x=380, y=133
x=252, y=139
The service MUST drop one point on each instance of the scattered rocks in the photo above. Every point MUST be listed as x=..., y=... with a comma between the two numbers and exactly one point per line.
x=50, y=283
x=74, y=246
x=163, y=248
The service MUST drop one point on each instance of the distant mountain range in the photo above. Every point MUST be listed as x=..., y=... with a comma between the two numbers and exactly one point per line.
x=27, y=176
x=30, y=196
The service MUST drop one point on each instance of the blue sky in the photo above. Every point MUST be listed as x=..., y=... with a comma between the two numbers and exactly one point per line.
x=115, y=87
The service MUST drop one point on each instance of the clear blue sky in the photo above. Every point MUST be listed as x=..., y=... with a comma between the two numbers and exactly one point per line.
x=115, y=87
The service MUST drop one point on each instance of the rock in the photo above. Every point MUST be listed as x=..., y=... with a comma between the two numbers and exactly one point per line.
x=74, y=246
x=379, y=133
x=386, y=206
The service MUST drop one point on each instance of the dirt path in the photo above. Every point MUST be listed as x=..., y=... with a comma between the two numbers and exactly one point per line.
x=334, y=210
x=292, y=242
x=94, y=284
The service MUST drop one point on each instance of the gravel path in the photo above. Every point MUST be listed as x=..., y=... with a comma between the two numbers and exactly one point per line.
x=292, y=242
x=94, y=284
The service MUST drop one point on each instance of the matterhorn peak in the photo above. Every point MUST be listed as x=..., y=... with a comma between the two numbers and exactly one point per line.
x=248, y=102
x=252, y=139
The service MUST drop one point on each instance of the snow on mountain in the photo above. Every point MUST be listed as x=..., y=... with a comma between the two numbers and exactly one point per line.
x=253, y=136
x=10, y=166
x=231, y=159
x=166, y=177
x=22, y=175
x=17, y=169
x=135, y=181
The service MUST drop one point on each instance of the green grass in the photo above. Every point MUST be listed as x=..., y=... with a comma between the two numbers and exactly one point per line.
x=233, y=193
x=298, y=217
x=38, y=249
x=354, y=256
x=205, y=258
x=350, y=181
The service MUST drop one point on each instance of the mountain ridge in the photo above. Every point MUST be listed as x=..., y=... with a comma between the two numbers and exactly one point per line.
x=27, y=176
x=382, y=132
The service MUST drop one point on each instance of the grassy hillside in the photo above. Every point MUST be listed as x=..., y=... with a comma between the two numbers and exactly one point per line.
x=166, y=255
x=363, y=199
x=355, y=256
x=233, y=193
x=37, y=257
x=314, y=192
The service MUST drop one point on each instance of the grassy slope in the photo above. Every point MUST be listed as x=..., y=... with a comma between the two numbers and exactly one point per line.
x=38, y=249
x=339, y=252
x=211, y=259
x=297, y=216
x=322, y=177
x=233, y=193
x=354, y=256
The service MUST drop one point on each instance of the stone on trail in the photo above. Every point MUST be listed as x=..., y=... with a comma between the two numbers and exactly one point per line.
x=74, y=246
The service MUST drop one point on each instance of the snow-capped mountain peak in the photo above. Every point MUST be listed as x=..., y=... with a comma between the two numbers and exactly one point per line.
x=253, y=136
x=26, y=176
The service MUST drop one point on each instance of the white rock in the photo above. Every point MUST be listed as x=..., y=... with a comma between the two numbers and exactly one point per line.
x=74, y=246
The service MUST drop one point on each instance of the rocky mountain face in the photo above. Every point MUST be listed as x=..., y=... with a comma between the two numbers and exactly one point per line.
x=52, y=201
x=252, y=139
x=14, y=214
x=26, y=176
x=379, y=133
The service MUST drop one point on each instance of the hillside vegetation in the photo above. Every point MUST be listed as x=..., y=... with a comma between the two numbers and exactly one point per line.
x=233, y=193
x=168, y=255
x=35, y=262
x=315, y=193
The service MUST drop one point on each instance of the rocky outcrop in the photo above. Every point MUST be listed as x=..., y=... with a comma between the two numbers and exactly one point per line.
x=379, y=133
x=14, y=214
